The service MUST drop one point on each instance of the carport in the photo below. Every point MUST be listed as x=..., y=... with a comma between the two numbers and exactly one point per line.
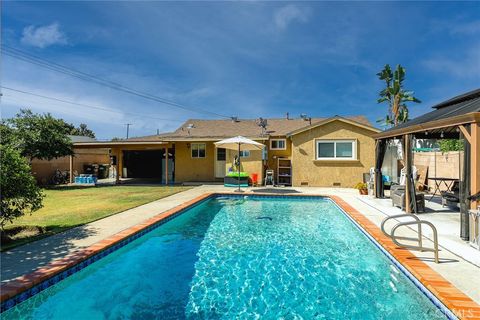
x=142, y=159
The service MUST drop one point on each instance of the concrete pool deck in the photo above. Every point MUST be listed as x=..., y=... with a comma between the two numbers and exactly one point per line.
x=25, y=259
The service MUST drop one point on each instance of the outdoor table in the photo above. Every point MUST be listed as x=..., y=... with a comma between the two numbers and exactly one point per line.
x=448, y=182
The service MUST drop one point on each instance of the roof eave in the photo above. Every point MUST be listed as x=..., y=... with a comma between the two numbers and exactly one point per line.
x=106, y=144
x=326, y=121
x=472, y=117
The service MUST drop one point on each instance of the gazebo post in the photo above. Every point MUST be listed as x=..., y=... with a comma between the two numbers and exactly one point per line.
x=475, y=162
x=408, y=171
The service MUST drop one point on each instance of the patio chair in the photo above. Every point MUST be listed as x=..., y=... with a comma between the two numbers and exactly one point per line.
x=452, y=197
x=398, y=199
x=403, y=178
x=269, y=178
x=397, y=192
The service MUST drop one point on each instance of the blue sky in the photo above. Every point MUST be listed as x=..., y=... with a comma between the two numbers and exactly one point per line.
x=246, y=59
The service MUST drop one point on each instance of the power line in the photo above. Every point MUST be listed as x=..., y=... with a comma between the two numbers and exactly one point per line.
x=88, y=106
x=24, y=56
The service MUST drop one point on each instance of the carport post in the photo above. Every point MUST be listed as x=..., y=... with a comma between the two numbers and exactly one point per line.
x=166, y=165
x=71, y=169
x=117, y=167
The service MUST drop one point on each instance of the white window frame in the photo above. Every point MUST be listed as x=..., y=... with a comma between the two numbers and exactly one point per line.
x=284, y=144
x=335, y=141
x=245, y=153
x=198, y=144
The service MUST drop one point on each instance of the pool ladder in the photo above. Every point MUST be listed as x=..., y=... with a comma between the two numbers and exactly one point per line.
x=416, y=222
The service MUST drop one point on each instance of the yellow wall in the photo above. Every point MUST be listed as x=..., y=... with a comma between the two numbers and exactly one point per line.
x=43, y=170
x=274, y=154
x=252, y=164
x=324, y=172
x=194, y=169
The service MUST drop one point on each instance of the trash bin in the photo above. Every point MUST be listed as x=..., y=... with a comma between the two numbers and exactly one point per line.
x=103, y=171
x=88, y=169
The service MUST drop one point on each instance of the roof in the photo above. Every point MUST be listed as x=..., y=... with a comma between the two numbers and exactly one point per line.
x=461, y=109
x=109, y=144
x=75, y=139
x=458, y=99
x=220, y=129
x=336, y=118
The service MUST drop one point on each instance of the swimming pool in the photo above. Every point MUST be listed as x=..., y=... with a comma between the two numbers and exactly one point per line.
x=249, y=257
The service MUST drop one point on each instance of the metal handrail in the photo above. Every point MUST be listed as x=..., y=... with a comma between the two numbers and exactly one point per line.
x=417, y=222
x=435, y=237
x=408, y=215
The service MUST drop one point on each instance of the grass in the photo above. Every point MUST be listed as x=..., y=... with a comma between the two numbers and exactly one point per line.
x=68, y=207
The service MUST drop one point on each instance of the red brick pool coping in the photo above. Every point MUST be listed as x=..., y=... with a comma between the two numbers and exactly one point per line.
x=454, y=299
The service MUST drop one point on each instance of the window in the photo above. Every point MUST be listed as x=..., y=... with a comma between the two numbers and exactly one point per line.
x=198, y=150
x=336, y=150
x=278, y=144
x=245, y=153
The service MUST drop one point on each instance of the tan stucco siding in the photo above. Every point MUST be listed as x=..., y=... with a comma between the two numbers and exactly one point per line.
x=274, y=154
x=194, y=169
x=43, y=170
x=252, y=164
x=305, y=169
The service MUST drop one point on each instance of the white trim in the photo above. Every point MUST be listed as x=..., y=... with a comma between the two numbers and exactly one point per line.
x=335, y=141
x=284, y=144
x=198, y=143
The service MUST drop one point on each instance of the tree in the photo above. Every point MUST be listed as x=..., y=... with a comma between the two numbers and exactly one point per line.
x=395, y=95
x=38, y=136
x=81, y=130
x=447, y=145
x=19, y=191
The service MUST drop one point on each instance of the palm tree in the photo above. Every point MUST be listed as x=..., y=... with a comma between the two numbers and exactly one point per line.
x=395, y=95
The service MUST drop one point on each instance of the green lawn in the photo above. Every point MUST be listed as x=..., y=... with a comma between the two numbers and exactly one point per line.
x=67, y=207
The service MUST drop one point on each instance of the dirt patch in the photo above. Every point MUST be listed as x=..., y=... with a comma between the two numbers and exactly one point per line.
x=14, y=234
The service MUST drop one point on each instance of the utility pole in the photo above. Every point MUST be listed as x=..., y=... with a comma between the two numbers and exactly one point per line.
x=128, y=127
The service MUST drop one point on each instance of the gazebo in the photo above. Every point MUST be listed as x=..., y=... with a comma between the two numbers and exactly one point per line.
x=456, y=118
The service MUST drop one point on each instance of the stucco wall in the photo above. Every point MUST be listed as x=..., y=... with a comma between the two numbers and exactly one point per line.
x=194, y=169
x=305, y=169
x=274, y=154
x=252, y=164
x=43, y=170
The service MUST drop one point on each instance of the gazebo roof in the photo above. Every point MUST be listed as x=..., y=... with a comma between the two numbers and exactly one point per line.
x=461, y=109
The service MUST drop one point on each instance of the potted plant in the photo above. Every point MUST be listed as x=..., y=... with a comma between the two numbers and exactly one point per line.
x=362, y=188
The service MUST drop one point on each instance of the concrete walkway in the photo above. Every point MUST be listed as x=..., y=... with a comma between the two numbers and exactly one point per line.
x=454, y=266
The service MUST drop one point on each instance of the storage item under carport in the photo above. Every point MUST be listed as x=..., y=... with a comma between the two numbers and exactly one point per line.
x=103, y=170
x=91, y=169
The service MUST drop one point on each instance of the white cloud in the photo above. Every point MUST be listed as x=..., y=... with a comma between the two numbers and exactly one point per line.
x=284, y=16
x=465, y=65
x=43, y=36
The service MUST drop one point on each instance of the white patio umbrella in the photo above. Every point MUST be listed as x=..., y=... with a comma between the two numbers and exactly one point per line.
x=241, y=144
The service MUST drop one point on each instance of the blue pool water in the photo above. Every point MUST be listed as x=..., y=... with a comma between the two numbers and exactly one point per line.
x=239, y=258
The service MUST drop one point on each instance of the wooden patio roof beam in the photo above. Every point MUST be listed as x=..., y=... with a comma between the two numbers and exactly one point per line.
x=473, y=117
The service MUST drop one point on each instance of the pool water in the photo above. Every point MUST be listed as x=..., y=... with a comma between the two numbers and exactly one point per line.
x=227, y=258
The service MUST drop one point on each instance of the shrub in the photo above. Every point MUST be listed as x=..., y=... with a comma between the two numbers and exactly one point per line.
x=19, y=193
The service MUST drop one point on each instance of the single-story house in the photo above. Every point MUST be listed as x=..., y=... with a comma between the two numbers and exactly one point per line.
x=332, y=151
